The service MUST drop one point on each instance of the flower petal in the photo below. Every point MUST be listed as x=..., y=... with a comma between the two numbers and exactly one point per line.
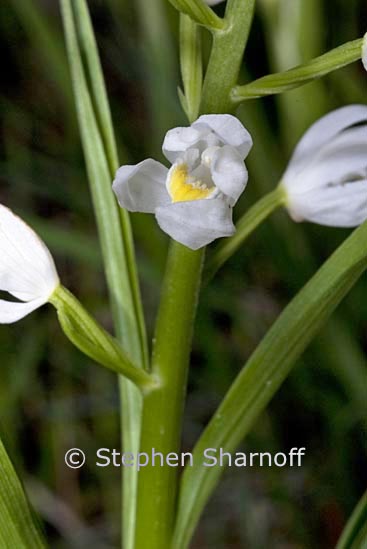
x=229, y=172
x=196, y=223
x=336, y=206
x=320, y=133
x=11, y=312
x=364, y=51
x=229, y=130
x=344, y=156
x=179, y=140
x=141, y=188
x=27, y=269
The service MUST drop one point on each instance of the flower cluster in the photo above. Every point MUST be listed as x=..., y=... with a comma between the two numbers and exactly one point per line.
x=326, y=179
x=325, y=182
x=193, y=200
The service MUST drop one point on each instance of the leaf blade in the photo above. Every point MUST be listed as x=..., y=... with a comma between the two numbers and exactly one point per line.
x=266, y=370
x=17, y=525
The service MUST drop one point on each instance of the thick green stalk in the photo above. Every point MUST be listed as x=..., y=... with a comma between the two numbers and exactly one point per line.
x=246, y=225
x=163, y=407
x=226, y=57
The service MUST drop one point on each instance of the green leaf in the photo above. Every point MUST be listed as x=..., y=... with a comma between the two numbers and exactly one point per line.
x=115, y=237
x=99, y=174
x=354, y=535
x=293, y=78
x=88, y=47
x=266, y=370
x=18, y=528
x=95, y=116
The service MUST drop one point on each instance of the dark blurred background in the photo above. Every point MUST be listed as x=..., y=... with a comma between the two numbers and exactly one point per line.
x=52, y=398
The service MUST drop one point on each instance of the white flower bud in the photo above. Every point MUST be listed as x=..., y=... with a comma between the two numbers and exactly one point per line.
x=27, y=270
x=364, y=51
x=326, y=178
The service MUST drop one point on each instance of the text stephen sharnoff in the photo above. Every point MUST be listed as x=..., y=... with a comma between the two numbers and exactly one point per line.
x=210, y=457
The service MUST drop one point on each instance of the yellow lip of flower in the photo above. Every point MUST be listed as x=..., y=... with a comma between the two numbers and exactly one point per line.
x=182, y=187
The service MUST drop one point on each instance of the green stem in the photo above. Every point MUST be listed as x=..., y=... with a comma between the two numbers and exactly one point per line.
x=247, y=224
x=163, y=407
x=226, y=57
x=298, y=76
x=199, y=12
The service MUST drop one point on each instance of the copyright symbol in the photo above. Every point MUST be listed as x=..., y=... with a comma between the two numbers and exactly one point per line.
x=74, y=458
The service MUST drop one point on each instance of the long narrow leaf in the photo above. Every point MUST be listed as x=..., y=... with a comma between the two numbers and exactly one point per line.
x=18, y=528
x=118, y=258
x=99, y=98
x=89, y=49
x=265, y=372
x=102, y=114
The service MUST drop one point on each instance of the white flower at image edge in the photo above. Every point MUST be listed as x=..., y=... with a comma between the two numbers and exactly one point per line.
x=364, y=51
x=193, y=200
x=27, y=270
x=326, y=179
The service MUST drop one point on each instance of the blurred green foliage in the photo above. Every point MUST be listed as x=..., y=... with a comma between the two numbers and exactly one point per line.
x=52, y=398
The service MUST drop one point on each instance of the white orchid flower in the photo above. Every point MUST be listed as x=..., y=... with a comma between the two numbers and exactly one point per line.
x=27, y=270
x=326, y=178
x=193, y=200
x=364, y=51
